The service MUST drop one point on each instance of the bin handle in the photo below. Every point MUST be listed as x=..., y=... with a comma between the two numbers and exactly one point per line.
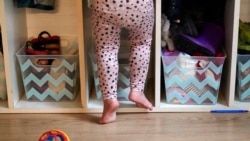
x=44, y=62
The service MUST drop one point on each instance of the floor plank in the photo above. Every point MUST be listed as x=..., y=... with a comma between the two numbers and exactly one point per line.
x=131, y=126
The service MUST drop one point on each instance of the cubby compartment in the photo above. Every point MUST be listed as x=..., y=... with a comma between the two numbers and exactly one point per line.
x=227, y=13
x=94, y=98
x=241, y=95
x=20, y=24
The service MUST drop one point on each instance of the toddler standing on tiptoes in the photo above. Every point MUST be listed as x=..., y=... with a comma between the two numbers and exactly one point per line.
x=108, y=18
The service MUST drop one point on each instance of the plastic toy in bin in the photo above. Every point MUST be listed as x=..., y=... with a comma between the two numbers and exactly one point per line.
x=192, y=79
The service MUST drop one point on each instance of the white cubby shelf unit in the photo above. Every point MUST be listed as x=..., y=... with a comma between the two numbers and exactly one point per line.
x=72, y=18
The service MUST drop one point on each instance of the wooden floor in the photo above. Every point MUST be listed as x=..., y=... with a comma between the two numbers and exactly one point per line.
x=129, y=127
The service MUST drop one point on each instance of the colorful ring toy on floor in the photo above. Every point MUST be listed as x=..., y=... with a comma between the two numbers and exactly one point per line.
x=54, y=135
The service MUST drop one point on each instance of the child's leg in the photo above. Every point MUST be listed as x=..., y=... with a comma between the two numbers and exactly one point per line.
x=107, y=18
x=139, y=62
x=140, y=37
x=107, y=40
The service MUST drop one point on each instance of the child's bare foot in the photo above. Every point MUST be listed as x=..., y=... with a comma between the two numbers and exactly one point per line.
x=109, y=111
x=140, y=99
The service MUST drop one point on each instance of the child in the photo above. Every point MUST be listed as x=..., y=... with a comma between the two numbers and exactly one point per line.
x=108, y=17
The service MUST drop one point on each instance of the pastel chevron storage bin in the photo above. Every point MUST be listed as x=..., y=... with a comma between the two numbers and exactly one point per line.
x=243, y=77
x=123, y=88
x=58, y=81
x=192, y=80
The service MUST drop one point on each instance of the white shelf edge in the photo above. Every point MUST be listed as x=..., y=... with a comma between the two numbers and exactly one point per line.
x=23, y=103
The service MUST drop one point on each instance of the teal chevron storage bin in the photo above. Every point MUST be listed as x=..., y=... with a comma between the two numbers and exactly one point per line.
x=58, y=81
x=243, y=77
x=192, y=79
x=123, y=88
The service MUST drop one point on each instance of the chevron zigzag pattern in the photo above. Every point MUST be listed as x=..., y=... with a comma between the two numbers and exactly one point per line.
x=192, y=98
x=243, y=77
x=36, y=79
x=177, y=80
x=48, y=78
x=192, y=85
x=192, y=93
x=64, y=63
x=48, y=92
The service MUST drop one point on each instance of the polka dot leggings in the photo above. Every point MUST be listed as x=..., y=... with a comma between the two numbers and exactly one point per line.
x=108, y=18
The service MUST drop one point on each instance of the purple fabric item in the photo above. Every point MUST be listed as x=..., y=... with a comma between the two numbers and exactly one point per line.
x=210, y=39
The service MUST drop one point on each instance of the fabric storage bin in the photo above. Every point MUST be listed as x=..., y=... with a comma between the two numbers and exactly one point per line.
x=123, y=87
x=55, y=82
x=243, y=77
x=192, y=79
